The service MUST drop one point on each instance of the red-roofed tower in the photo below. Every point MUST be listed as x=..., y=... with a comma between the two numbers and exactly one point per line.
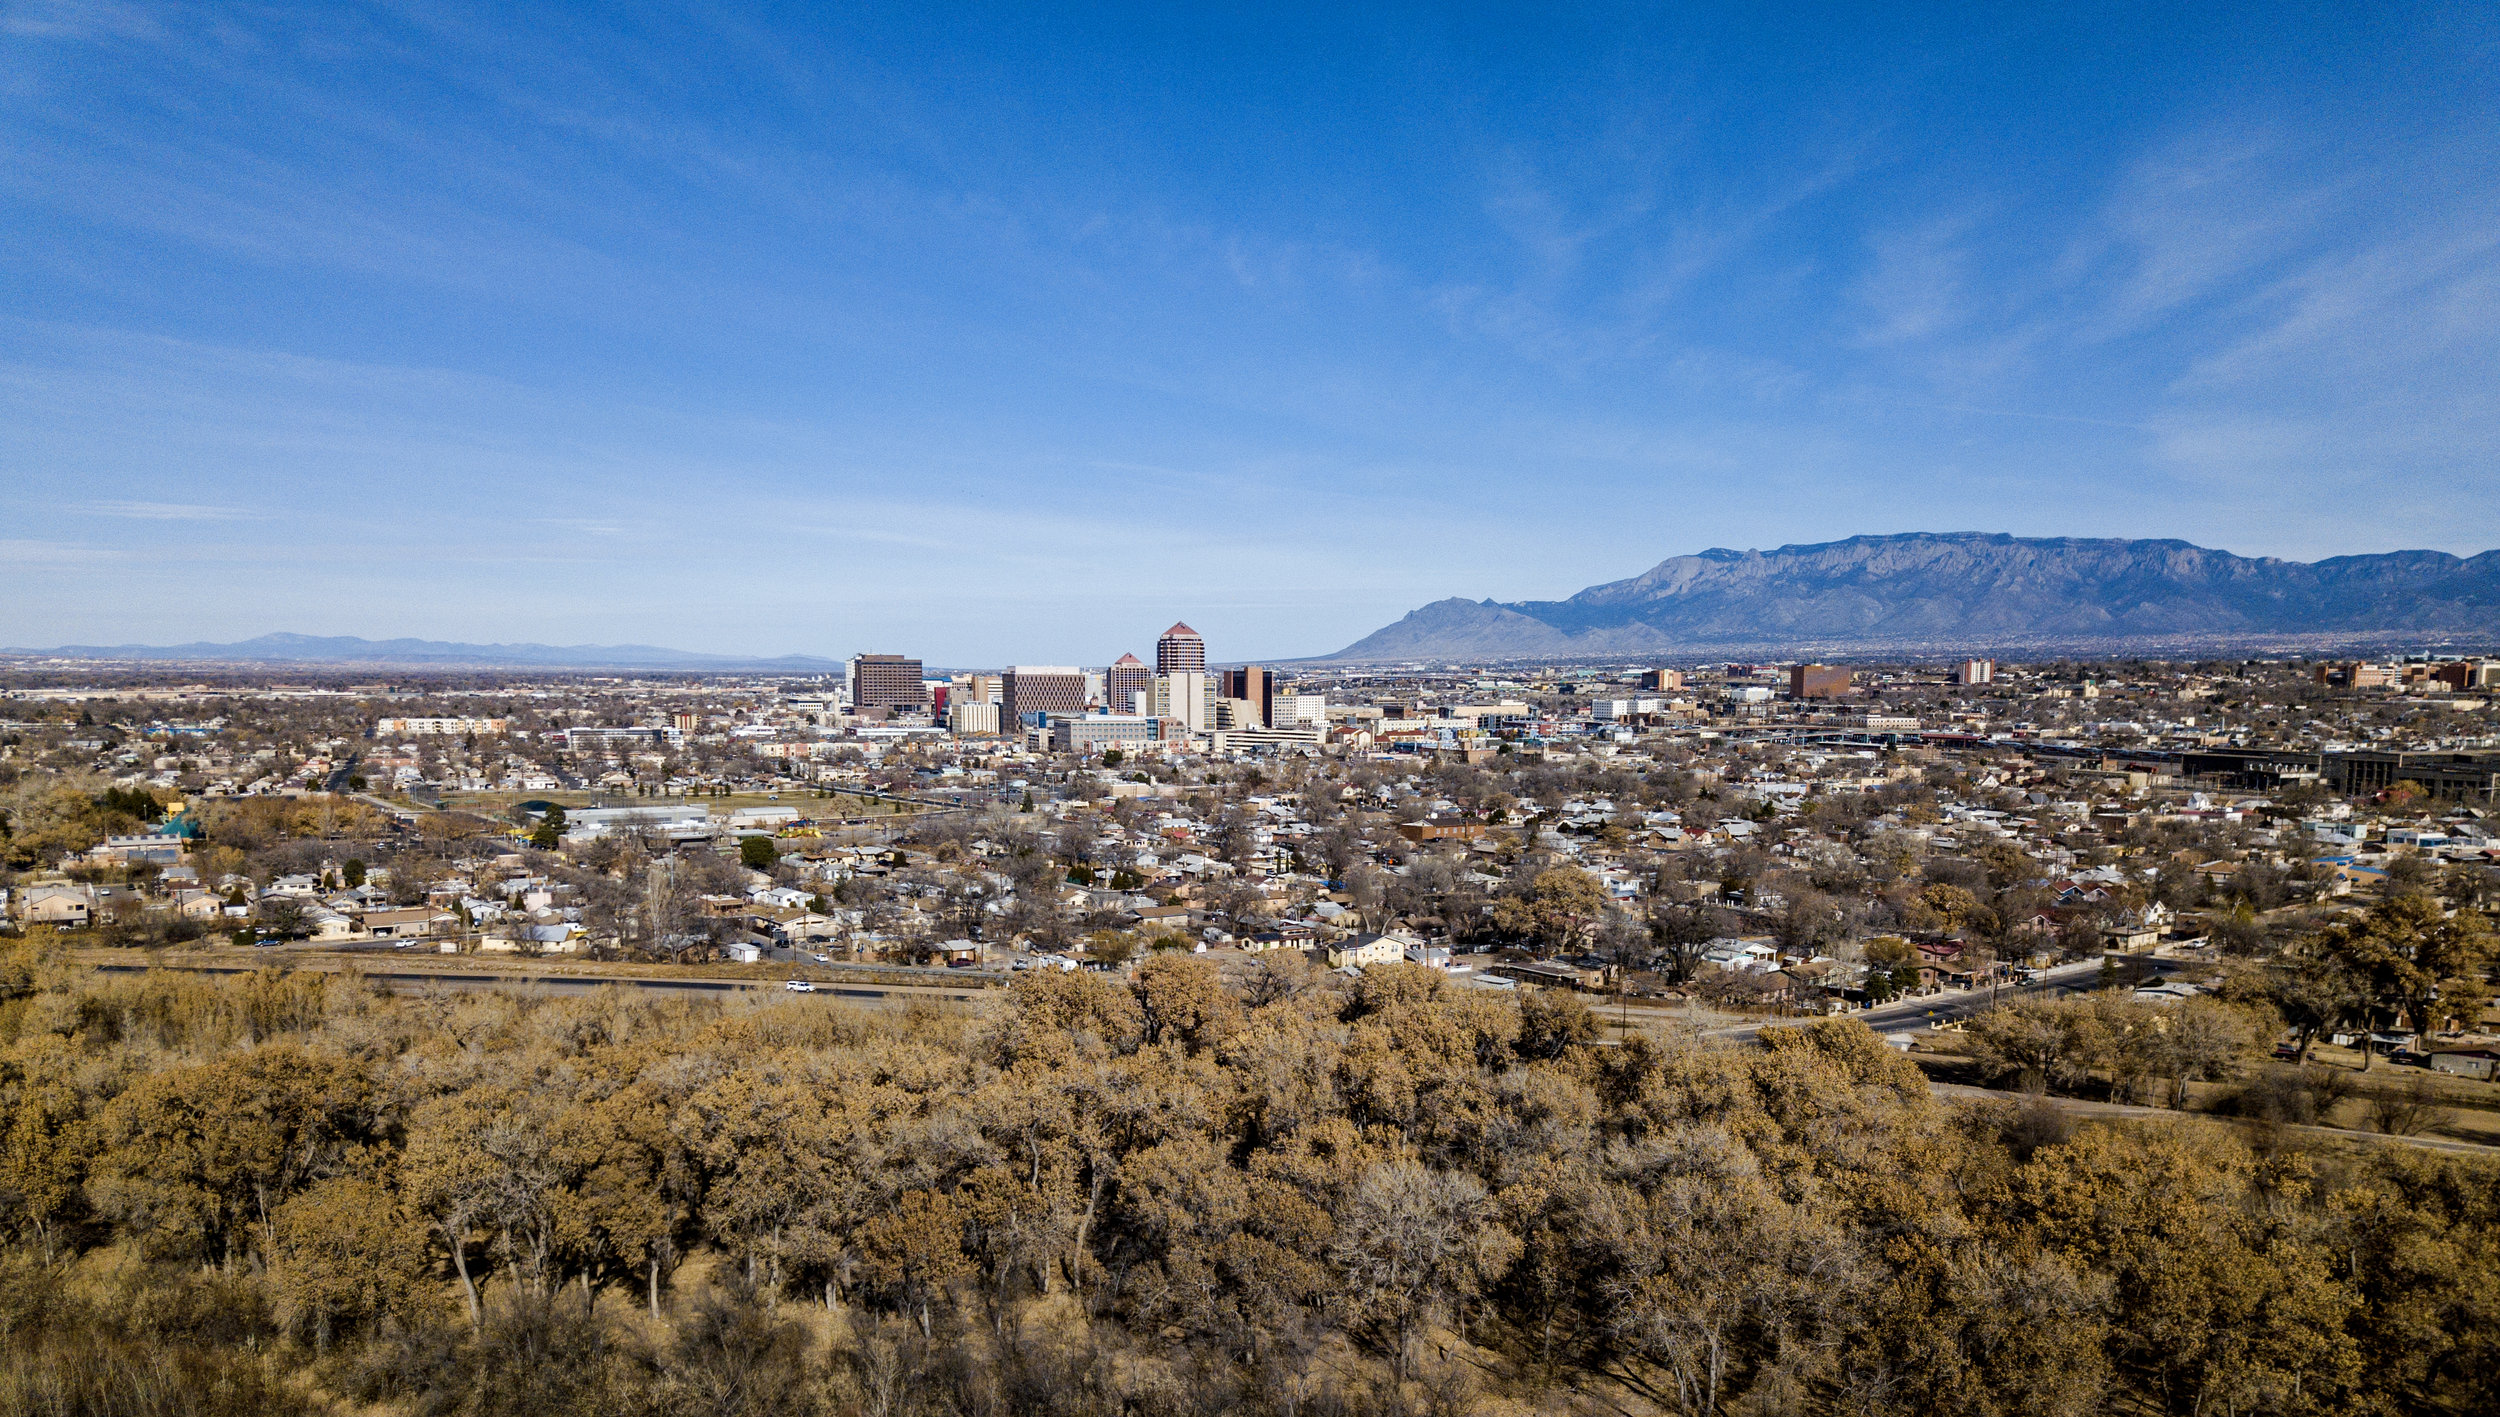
x=1180, y=651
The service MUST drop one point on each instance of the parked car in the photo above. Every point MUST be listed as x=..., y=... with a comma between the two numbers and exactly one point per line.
x=799, y=986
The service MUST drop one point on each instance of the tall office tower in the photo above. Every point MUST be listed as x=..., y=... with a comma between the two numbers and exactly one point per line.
x=1189, y=698
x=887, y=681
x=1127, y=677
x=1180, y=651
x=974, y=689
x=1662, y=680
x=1038, y=688
x=1251, y=684
x=1976, y=671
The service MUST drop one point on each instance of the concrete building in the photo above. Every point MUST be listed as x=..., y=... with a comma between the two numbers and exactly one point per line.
x=439, y=727
x=2356, y=675
x=1975, y=671
x=1094, y=732
x=675, y=820
x=1180, y=651
x=1029, y=689
x=1188, y=697
x=1817, y=681
x=972, y=718
x=1233, y=740
x=1661, y=680
x=888, y=681
x=612, y=739
x=1251, y=684
x=1287, y=710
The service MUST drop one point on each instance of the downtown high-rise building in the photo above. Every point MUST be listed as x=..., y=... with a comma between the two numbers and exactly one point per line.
x=889, y=681
x=1028, y=689
x=1252, y=685
x=1127, y=677
x=1180, y=651
x=1185, y=698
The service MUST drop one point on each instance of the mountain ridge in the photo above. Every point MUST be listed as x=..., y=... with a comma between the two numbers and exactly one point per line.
x=1986, y=589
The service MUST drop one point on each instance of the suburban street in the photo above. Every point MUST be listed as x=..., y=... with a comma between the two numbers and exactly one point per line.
x=1954, y=1006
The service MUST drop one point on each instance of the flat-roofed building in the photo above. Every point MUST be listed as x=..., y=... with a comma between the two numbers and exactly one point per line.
x=439, y=727
x=1029, y=689
x=1091, y=732
x=1817, y=681
x=890, y=681
x=972, y=718
x=1189, y=698
x=1251, y=684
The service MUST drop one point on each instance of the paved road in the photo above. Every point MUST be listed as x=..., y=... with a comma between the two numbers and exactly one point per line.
x=397, y=812
x=2082, y=1107
x=336, y=782
x=1918, y=1014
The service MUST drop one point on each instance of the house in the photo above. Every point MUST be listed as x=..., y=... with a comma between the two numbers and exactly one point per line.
x=408, y=922
x=2127, y=938
x=1287, y=936
x=1441, y=829
x=59, y=903
x=797, y=926
x=1365, y=951
x=328, y=924
x=2481, y=1062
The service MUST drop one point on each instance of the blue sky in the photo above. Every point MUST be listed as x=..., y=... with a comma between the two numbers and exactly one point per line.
x=1018, y=333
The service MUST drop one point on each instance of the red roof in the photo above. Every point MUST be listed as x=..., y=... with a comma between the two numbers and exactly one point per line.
x=1180, y=630
x=1128, y=659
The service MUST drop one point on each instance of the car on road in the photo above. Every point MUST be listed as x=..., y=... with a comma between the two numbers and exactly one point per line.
x=799, y=986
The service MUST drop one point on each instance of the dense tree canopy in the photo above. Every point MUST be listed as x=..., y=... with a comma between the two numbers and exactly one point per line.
x=1173, y=1194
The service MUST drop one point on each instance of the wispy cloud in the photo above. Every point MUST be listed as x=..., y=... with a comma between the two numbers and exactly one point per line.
x=2194, y=219
x=77, y=19
x=169, y=512
x=1918, y=282
x=53, y=553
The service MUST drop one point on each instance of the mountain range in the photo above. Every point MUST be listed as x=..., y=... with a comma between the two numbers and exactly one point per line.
x=419, y=654
x=1974, y=590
